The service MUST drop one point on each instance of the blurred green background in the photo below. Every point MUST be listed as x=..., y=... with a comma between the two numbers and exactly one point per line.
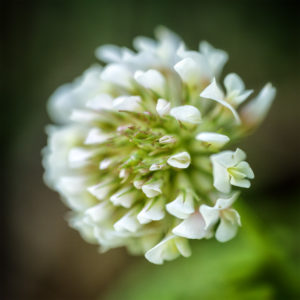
x=47, y=43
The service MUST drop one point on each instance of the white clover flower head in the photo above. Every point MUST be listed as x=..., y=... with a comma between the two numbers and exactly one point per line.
x=132, y=149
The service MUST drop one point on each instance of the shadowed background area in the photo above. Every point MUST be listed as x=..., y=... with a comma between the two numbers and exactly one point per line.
x=47, y=43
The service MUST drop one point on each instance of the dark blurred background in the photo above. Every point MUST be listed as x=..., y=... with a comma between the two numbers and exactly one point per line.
x=47, y=43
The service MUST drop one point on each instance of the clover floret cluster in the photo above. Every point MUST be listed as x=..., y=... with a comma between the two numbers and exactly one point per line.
x=140, y=149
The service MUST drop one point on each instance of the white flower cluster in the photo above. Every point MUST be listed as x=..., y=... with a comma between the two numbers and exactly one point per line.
x=137, y=150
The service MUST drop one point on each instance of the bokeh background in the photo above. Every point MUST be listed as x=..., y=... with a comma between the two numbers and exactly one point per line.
x=50, y=42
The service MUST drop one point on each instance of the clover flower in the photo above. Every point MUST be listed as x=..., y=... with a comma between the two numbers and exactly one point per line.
x=229, y=218
x=137, y=149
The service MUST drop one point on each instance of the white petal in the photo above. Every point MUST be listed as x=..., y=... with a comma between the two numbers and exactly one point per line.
x=117, y=74
x=113, y=54
x=210, y=215
x=182, y=206
x=152, y=211
x=197, y=57
x=74, y=95
x=128, y=103
x=108, y=53
x=128, y=222
x=194, y=68
x=96, y=136
x=152, y=189
x=225, y=203
x=108, y=238
x=192, y=228
x=167, y=46
x=156, y=167
x=239, y=155
x=141, y=60
x=233, y=82
x=129, y=57
x=123, y=173
x=55, y=155
x=237, y=100
x=221, y=177
x=71, y=185
x=180, y=160
x=213, y=92
x=167, y=139
x=60, y=103
x=215, y=139
x=183, y=247
x=156, y=254
x=165, y=250
x=138, y=184
x=105, y=163
x=192, y=72
x=224, y=158
x=101, y=102
x=167, y=36
x=216, y=57
x=123, y=197
x=232, y=216
x=245, y=168
x=163, y=107
x=187, y=114
x=234, y=112
x=143, y=243
x=255, y=111
x=236, y=93
x=73, y=189
x=80, y=157
x=142, y=43
x=100, y=212
x=226, y=230
x=151, y=79
x=182, y=50
x=86, y=230
x=244, y=183
x=236, y=173
x=84, y=116
x=101, y=190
